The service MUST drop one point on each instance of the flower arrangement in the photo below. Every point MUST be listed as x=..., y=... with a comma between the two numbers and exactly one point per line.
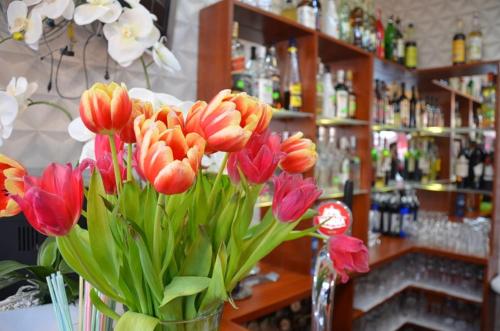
x=166, y=239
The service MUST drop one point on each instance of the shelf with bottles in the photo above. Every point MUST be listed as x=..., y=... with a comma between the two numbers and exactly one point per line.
x=282, y=114
x=438, y=186
x=325, y=121
x=459, y=94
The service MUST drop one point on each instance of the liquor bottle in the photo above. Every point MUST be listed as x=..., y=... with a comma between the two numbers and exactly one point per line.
x=352, y=95
x=252, y=68
x=375, y=213
x=289, y=9
x=476, y=165
x=475, y=41
x=388, y=109
x=383, y=173
x=293, y=86
x=355, y=164
x=266, y=79
x=320, y=88
x=413, y=108
x=376, y=111
x=410, y=162
x=345, y=31
x=389, y=36
x=345, y=170
x=435, y=160
x=395, y=220
x=399, y=44
x=356, y=19
x=371, y=26
x=329, y=110
x=341, y=96
x=309, y=13
x=411, y=53
x=488, y=172
x=334, y=162
x=321, y=171
x=458, y=46
x=379, y=27
x=240, y=79
x=386, y=214
x=404, y=107
x=462, y=168
x=424, y=164
x=330, y=24
x=405, y=214
x=396, y=98
x=273, y=72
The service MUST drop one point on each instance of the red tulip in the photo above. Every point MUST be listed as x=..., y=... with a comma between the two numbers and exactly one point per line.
x=104, y=161
x=293, y=196
x=139, y=107
x=53, y=203
x=105, y=109
x=257, y=160
x=300, y=154
x=11, y=183
x=253, y=110
x=348, y=254
x=168, y=159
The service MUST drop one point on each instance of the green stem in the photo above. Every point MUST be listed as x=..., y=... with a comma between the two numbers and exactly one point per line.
x=149, y=64
x=5, y=39
x=213, y=192
x=116, y=165
x=157, y=235
x=51, y=104
x=146, y=74
x=129, y=162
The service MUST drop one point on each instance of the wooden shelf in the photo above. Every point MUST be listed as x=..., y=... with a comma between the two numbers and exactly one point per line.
x=269, y=297
x=324, y=121
x=437, y=186
x=332, y=49
x=467, y=69
x=290, y=115
x=457, y=93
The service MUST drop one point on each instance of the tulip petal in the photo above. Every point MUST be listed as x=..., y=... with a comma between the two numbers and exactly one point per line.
x=229, y=139
x=175, y=178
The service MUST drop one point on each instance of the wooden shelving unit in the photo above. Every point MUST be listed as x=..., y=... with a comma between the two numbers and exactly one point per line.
x=292, y=260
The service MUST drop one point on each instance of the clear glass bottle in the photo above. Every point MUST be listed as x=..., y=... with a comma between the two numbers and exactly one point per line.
x=241, y=81
x=341, y=96
x=345, y=164
x=309, y=13
x=252, y=68
x=355, y=164
x=356, y=19
x=475, y=41
x=399, y=44
x=273, y=73
x=322, y=168
x=330, y=19
x=328, y=105
x=320, y=87
x=293, y=86
x=345, y=31
x=352, y=95
x=334, y=162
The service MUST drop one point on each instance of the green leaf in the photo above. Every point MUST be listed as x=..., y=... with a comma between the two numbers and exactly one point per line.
x=101, y=239
x=47, y=254
x=183, y=286
x=130, y=202
x=7, y=266
x=101, y=306
x=198, y=259
x=216, y=292
x=131, y=321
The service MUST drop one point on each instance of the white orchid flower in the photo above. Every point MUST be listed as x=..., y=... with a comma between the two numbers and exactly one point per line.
x=28, y=27
x=54, y=9
x=20, y=89
x=159, y=99
x=131, y=35
x=79, y=132
x=164, y=58
x=106, y=11
x=8, y=114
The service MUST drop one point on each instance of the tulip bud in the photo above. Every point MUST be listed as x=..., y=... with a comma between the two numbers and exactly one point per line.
x=300, y=154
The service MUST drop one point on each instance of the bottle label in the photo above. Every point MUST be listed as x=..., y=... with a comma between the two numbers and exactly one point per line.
x=265, y=90
x=424, y=165
x=296, y=95
x=458, y=51
x=411, y=164
x=306, y=15
x=478, y=169
x=237, y=64
x=400, y=48
x=352, y=105
x=462, y=168
x=411, y=56
x=342, y=100
x=345, y=171
x=405, y=113
x=488, y=173
x=475, y=48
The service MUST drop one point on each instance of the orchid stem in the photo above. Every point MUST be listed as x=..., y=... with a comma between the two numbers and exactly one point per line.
x=116, y=165
x=5, y=39
x=217, y=180
x=129, y=162
x=149, y=64
x=53, y=105
x=146, y=74
x=158, y=231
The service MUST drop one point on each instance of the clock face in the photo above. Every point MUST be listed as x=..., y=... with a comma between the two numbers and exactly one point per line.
x=333, y=218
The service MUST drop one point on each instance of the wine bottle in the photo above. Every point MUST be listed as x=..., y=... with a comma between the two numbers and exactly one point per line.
x=293, y=86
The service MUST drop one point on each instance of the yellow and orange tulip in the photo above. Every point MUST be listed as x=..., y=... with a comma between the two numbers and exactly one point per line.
x=105, y=109
x=300, y=154
x=139, y=107
x=168, y=159
x=11, y=183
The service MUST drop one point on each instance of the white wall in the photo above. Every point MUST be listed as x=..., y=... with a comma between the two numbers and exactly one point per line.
x=40, y=135
x=435, y=22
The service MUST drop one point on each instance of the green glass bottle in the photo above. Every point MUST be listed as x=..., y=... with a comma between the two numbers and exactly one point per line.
x=389, y=35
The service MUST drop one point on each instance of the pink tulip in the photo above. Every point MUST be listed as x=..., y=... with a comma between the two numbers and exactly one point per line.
x=257, y=160
x=53, y=203
x=293, y=196
x=348, y=254
x=104, y=161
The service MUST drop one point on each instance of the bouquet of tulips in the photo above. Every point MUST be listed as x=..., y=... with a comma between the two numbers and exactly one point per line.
x=165, y=238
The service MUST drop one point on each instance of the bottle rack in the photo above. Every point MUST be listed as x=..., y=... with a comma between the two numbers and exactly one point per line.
x=214, y=74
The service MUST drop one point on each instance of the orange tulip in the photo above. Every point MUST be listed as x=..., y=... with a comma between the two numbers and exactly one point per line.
x=11, y=183
x=139, y=107
x=168, y=159
x=228, y=121
x=105, y=109
x=300, y=154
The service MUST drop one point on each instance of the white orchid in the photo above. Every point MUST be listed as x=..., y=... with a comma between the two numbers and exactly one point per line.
x=53, y=9
x=8, y=114
x=23, y=26
x=78, y=131
x=106, y=11
x=20, y=89
x=164, y=58
x=159, y=99
x=131, y=35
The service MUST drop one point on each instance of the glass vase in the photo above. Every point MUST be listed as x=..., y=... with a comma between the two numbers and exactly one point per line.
x=208, y=322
